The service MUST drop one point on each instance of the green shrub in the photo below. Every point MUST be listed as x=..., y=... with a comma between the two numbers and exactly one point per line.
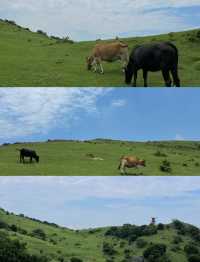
x=178, y=225
x=194, y=258
x=39, y=233
x=191, y=249
x=141, y=243
x=14, y=251
x=177, y=240
x=160, y=154
x=155, y=252
x=160, y=226
x=166, y=167
x=108, y=249
x=76, y=259
x=3, y=225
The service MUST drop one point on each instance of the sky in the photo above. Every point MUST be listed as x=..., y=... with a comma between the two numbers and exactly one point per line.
x=39, y=114
x=92, y=19
x=85, y=202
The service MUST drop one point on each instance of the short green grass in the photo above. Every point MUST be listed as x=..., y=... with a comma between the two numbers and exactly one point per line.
x=85, y=244
x=31, y=59
x=71, y=158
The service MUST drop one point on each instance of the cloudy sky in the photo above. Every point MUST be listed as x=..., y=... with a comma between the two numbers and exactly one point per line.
x=39, y=114
x=92, y=19
x=100, y=201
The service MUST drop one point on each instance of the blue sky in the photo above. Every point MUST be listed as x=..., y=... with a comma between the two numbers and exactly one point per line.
x=38, y=114
x=92, y=19
x=83, y=202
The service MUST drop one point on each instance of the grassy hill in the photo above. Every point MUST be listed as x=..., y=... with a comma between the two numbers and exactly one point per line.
x=101, y=157
x=97, y=245
x=34, y=59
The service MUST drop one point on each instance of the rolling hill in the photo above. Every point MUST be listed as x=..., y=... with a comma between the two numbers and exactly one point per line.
x=35, y=59
x=126, y=243
x=101, y=158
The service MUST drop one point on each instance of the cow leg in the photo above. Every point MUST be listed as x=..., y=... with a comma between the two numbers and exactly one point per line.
x=175, y=76
x=101, y=69
x=95, y=68
x=94, y=65
x=124, y=60
x=135, y=78
x=123, y=167
x=167, y=78
x=124, y=64
x=99, y=65
x=145, y=73
x=31, y=159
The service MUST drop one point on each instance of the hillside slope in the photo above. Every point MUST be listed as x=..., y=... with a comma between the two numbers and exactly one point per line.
x=101, y=157
x=34, y=59
x=100, y=244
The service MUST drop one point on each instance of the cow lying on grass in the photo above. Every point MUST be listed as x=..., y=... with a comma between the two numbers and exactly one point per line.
x=28, y=153
x=154, y=57
x=130, y=162
x=109, y=52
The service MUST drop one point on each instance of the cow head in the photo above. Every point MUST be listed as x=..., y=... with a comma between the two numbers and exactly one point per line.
x=89, y=61
x=37, y=158
x=128, y=73
x=142, y=163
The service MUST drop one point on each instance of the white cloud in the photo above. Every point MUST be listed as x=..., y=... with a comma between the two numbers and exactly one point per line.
x=179, y=137
x=118, y=103
x=111, y=200
x=28, y=111
x=96, y=19
x=110, y=187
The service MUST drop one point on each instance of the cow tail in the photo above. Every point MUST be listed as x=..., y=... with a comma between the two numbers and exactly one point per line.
x=176, y=50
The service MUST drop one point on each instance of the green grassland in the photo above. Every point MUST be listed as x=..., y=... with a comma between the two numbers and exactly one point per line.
x=77, y=158
x=34, y=59
x=87, y=244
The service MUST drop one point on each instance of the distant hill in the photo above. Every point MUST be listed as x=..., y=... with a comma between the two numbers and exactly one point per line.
x=175, y=242
x=35, y=59
x=101, y=157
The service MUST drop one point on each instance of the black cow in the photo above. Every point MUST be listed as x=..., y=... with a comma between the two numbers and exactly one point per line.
x=28, y=153
x=154, y=57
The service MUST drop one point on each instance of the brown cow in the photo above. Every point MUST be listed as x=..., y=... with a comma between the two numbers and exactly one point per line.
x=130, y=162
x=109, y=52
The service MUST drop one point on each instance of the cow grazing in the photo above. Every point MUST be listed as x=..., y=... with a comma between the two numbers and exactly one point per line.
x=130, y=162
x=28, y=153
x=109, y=52
x=154, y=57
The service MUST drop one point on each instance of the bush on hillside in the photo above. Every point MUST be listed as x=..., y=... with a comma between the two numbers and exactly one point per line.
x=41, y=32
x=160, y=154
x=141, y=243
x=178, y=225
x=166, y=167
x=160, y=226
x=76, y=259
x=177, y=240
x=155, y=252
x=194, y=258
x=14, y=251
x=13, y=228
x=191, y=249
x=3, y=225
x=131, y=232
x=39, y=233
x=108, y=249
